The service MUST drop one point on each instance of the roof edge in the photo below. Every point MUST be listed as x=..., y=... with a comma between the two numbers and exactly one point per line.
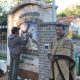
x=26, y=4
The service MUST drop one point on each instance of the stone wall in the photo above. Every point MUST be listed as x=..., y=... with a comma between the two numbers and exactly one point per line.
x=46, y=33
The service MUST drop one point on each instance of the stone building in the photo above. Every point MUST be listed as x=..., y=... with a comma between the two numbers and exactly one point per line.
x=38, y=16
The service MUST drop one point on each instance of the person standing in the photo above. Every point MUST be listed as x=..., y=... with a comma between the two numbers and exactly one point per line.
x=14, y=44
x=62, y=47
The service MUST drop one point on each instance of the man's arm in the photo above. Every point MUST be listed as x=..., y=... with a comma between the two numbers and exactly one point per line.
x=20, y=41
x=68, y=47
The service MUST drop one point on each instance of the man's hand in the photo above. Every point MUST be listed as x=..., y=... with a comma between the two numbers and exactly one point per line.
x=49, y=56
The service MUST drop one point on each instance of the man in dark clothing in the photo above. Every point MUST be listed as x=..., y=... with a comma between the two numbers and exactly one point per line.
x=14, y=44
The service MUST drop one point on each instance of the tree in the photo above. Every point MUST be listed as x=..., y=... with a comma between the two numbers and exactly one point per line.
x=0, y=10
x=3, y=16
x=3, y=19
x=61, y=14
x=4, y=9
x=47, y=1
x=74, y=10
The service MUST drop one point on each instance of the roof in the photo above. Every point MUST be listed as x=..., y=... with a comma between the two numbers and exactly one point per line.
x=69, y=19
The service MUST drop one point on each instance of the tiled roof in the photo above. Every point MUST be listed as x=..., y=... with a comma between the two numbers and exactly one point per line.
x=69, y=19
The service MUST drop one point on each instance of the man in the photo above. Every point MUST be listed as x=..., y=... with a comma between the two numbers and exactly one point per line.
x=62, y=56
x=14, y=44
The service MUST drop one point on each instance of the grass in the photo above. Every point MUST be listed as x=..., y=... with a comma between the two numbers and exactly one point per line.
x=3, y=56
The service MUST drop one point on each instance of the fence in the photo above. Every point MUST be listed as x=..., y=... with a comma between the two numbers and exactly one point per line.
x=3, y=42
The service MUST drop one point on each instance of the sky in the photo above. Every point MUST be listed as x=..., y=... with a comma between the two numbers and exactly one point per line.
x=62, y=4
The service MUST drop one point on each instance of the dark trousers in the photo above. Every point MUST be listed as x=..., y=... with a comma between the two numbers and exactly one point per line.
x=14, y=64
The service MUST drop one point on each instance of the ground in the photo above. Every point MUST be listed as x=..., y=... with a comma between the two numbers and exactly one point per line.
x=4, y=77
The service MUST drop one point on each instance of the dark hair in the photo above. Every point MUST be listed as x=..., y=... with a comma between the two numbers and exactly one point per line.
x=60, y=25
x=14, y=30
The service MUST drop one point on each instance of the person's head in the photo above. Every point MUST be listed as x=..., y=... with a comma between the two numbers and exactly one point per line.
x=15, y=30
x=60, y=30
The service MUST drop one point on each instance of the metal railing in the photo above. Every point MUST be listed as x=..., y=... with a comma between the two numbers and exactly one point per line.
x=3, y=42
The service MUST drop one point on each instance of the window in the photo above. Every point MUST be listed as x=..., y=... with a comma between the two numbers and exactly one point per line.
x=46, y=46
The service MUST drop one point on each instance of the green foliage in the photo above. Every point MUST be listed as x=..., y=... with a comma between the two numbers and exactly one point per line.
x=3, y=16
x=62, y=14
x=77, y=35
x=3, y=56
x=70, y=11
x=47, y=1
x=3, y=19
x=0, y=10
